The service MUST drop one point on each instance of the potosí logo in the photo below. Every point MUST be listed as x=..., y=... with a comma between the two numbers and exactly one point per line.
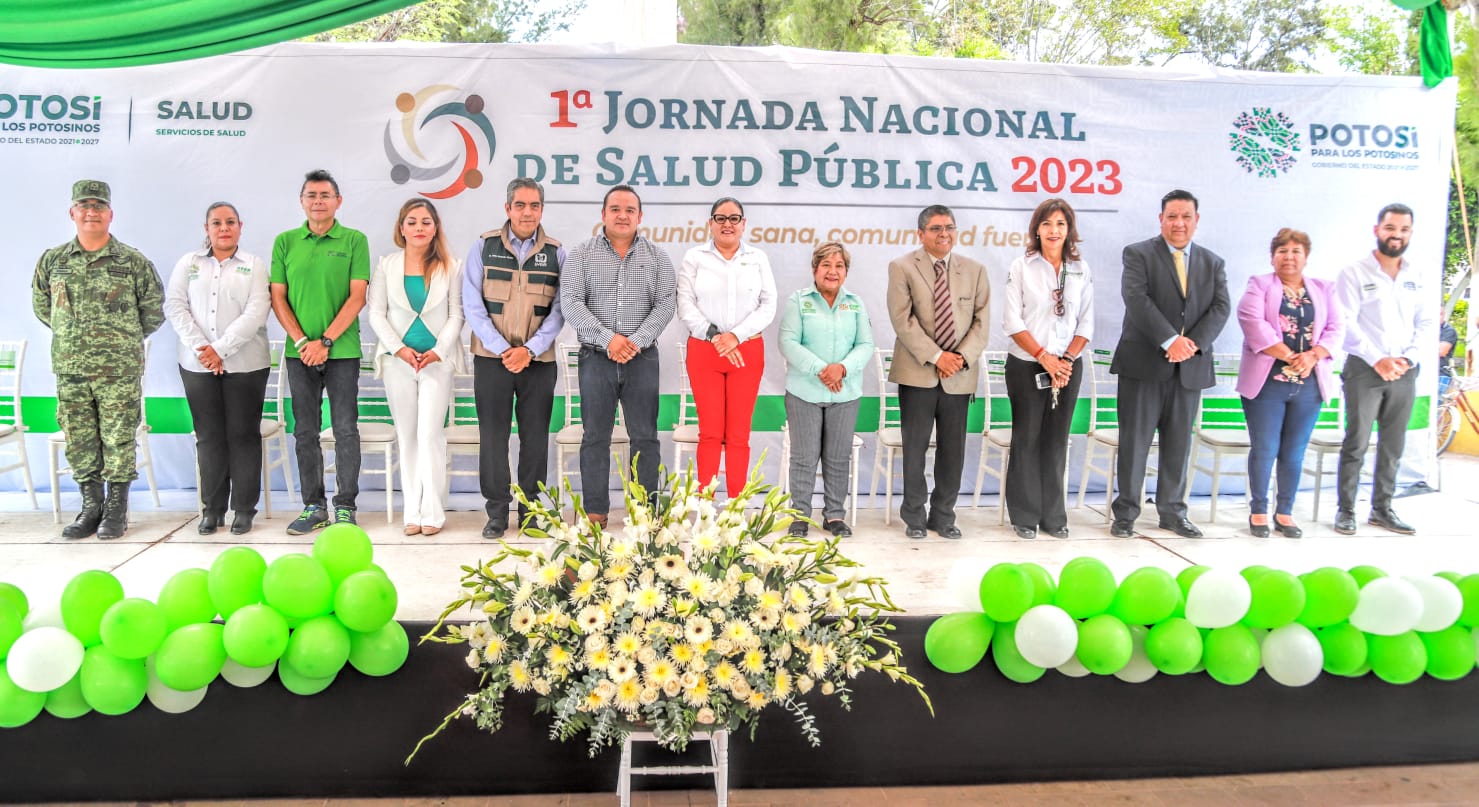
x=1264, y=141
x=36, y=112
x=1371, y=141
x=417, y=113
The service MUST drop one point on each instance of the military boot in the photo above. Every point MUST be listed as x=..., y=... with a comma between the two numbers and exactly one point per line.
x=115, y=511
x=92, y=512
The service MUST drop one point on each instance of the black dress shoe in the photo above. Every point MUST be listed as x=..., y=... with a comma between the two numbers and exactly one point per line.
x=1182, y=527
x=916, y=533
x=839, y=528
x=1345, y=522
x=1024, y=532
x=495, y=528
x=1290, y=530
x=1258, y=530
x=1122, y=529
x=950, y=531
x=1061, y=532
x=241, y=523
x=1388, y=520
x=209, y=523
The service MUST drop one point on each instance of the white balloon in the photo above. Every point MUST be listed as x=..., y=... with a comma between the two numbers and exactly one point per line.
x=1442, y=603
x=963, y=583
x=1388, y=606
x=1292, y=655
x=1047, y=636
x=246, y=677
x=1217, y=599
x=44, y=615
x=171, y=701
x=1073, y=668
x=1139, y=670
x=43, y=659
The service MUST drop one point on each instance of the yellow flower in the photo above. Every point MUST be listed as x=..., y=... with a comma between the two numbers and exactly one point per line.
x=738, y=632
x=619, y=569
x=661, y=671
x=549, y=574
x=770, y=599
x=817, y=665
x=594, y=701
x=628, y=644
x=696, y=586
x=598, y=659
x=724, y=674
x=648, y=600
x=558, y=656
x=620, y=550
x=682, y=653
x=583, y=590
x=698, y=694
x=782, y=684
x=792, y=622
x=754, y=662
x=706, y=542
x=757, y=700
x=494, y=649
x=518, y=676
x=800, y=600
x=628, y=694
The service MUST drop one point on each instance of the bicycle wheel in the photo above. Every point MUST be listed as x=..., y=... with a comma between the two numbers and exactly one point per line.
x=1446, y=427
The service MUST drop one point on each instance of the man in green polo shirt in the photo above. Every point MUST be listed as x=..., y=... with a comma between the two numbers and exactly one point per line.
x=319, y=275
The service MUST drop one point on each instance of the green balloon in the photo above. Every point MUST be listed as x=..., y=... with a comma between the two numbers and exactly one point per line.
x=1006, y=592
x=1085, y=588
x=186, y=599
x=17, y=706
x=1399, y=659
x=1330, y=597
x=365, y=601
x=1365, y=574
x=1009, y=659
x=1451, y=653
x=954, y=643
x=343, y=549
x=255, y=636
x=67, y=701
x=300, y=684
x=235, y=579
x=1184, y=579
x=1231, y=655
x=1452, y=577
x=1174, y=646
x=1251, y=573
x=191, y=657
x=12, y=593
x=1469, y=588
x=12, y=625
x=1278, y=599
x=112, y=685
x=384, y=651
x=133, y=628
x=1104, y=644
x=318, y=648
x=298, y=586
x=1043, y=587
x=84, y=601
x=1344, y=646
x=1145, y=597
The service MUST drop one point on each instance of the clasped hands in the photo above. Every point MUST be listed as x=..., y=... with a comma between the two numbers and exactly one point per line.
x=1059, y=368
x=728, y=346
x=210, y=359
x=621, y=349
x=418, y=361
x=949, y=364
x=1392, y=368
x=831, y=377
x=1181, y=349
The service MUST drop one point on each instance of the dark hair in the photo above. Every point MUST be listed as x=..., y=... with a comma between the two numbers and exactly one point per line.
x=620, y=189
x=1395, y=208
x=1287, y=234
x=318, y=175
x=524, y=182
x=436, y=251
x=1179, y=195
x=934, y=210
x=714, y=208
x=826, y=249
x=1040, y=215
x=213, y=206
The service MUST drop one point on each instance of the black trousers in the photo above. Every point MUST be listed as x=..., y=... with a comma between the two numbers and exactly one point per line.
x=500, y=396
x=227, y=411
x=920, y=410
x=1145, y=408
x=1035, y=492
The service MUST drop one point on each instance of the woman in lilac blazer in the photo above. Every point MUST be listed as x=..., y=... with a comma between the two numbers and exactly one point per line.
x=1290, y=324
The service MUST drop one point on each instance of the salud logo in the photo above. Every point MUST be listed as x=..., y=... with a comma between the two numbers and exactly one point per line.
x=431, y=107
x=1264, y=141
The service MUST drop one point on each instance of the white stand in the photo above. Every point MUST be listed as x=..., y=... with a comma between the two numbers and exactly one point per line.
x=718, y=749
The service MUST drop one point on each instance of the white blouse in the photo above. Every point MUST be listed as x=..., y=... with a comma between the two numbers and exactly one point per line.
x=736, y=295
x=1031, y=282
x=223, y=304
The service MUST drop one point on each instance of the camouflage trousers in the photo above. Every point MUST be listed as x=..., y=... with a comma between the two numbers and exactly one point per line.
x=100, y=417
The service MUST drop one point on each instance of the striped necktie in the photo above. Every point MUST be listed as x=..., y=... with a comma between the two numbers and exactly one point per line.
x=944, y=312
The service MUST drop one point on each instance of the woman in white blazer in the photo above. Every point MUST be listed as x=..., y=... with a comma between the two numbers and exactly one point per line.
x=415, y=305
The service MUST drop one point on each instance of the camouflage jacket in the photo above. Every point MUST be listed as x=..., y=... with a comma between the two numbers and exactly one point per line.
x=99, y=307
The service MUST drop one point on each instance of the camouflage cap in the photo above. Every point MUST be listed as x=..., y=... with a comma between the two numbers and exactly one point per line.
x=91, y=189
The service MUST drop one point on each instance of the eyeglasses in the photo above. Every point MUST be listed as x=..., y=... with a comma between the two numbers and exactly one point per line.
x=314, y=196
x=940, y=228
x=92, y=207
x=733, y=218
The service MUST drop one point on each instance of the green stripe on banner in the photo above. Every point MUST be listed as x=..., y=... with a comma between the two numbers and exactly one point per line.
x=172, y=415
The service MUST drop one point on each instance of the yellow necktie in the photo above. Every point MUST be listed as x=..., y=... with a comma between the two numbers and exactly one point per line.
x=1180, y=258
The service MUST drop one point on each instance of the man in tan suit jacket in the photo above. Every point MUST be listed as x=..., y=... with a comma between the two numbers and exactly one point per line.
x=937, y=302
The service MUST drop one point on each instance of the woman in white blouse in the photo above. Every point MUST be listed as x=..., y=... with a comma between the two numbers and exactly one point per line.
x=415, y=305
x=217, y=301
x=726, y=299
x=1049, y=316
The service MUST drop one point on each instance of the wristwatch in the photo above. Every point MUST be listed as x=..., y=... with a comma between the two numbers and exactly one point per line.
x=327, y=343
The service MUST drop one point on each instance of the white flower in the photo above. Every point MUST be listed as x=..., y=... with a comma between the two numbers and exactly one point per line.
x=828, y=688
x=661, y=671
x=798, y=597
x=754, y=586
x=549, y=574
x=740, y=688
x=672, y=688
x=698, y=629
x=616, y=594
x=705, y=716
x=804, y=684
x=621, y=669
x=766, y=618
x=628, y=694
x=647, y=655
x=724, y=646
x=474, y=658
x=649, y=696
x=606, y=689
x=706, y=543
x=526, y=590
x=522, y=621
x=754, y=662
x=587, y=571
x=689, y=680
x=592, y=618
x=671, y=567
x=541, y=685
x=477, y=634
x=594, y=642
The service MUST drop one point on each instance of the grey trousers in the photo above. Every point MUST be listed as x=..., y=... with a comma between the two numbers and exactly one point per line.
x=1389, y=404
x=821, y=431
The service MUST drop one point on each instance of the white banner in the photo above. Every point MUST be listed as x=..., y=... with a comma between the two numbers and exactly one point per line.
x=817, y=145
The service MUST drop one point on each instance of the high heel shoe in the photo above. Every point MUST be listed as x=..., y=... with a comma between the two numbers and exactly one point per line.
x=1290, y=530
x=1258, y=530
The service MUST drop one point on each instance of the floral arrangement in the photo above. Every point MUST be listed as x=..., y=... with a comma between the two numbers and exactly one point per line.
x=692, y=617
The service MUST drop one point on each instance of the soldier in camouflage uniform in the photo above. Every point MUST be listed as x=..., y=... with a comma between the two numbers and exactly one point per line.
x=100, y=298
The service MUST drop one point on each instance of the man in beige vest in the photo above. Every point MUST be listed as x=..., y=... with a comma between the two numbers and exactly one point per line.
x=511, y=296
x=937, y=301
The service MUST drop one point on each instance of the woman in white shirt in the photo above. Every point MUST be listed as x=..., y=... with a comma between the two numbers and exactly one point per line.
x=415, y=305
x=726, y=299
x=217, y=301
x=1049, y=316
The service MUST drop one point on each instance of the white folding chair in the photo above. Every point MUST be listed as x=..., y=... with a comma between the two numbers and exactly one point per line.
x=890, y=437
x=1104, y=436
x=1222, y=430
x=463, y=437
x=56, y=445
x=567, y=439
x=996, y=437
x=12, y=423
x=685, y=431
x=376, y=430
x=785, y=485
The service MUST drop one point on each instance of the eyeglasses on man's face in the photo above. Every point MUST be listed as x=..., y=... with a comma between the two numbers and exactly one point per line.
x=936, y=229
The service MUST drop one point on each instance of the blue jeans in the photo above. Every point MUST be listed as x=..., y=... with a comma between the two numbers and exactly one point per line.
x=604, y=384
x=1280, y=421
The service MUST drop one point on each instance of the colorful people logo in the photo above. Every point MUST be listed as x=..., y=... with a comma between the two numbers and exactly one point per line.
x=414, y=118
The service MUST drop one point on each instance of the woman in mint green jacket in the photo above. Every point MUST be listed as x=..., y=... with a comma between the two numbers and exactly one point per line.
x=827, y=340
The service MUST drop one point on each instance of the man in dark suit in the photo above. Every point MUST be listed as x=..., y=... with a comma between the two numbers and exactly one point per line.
x=1176, y=303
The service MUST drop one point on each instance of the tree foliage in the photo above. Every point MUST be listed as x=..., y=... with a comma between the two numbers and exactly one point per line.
x=847, y=25
x=1279, y=36
x=462, y=21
